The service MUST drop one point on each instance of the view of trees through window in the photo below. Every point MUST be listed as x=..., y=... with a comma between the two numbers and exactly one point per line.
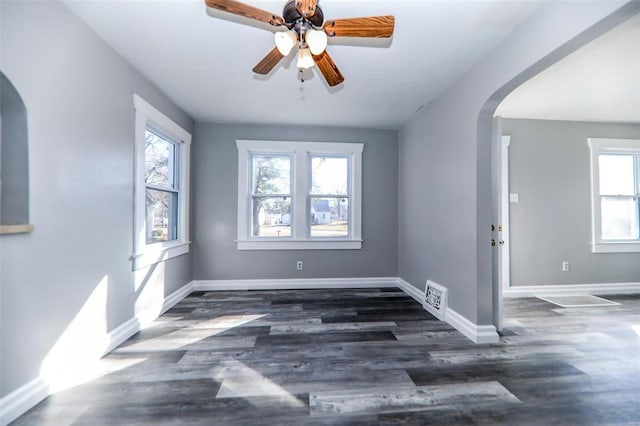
x=161, y=188
x=271, y=198
x=328, y=206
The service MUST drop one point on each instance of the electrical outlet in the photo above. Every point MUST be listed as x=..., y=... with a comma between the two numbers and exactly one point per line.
x=565, y=266
x=299, y=265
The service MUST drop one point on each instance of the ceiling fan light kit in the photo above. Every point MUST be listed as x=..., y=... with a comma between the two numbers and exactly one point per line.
x=316, y=40
x=305, y=60
x=306, y=28
x=285, y=41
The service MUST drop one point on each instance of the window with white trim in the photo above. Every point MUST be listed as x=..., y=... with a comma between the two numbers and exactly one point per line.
x=299, y=195
x=615, y=194
x=161, y=205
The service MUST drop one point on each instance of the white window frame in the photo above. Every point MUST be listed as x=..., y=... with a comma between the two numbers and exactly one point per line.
x=301, y=176
x=599, y=146
x=144, y=254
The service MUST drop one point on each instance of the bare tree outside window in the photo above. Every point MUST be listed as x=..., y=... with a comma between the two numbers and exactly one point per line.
x=161, y=190
x=271, y=196
x=329, y=197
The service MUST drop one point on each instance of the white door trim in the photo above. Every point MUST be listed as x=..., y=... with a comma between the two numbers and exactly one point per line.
x=505, y=259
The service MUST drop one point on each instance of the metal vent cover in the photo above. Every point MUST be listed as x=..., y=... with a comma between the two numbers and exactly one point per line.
x=435, y=299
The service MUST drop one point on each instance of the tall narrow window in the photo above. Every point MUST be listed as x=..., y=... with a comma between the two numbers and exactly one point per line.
x=618, y=196
x=615, y=189
x=161, y=203
x=329, y=196
x=162, y=189
x=271, y=195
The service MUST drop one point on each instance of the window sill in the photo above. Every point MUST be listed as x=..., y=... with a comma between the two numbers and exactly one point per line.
x=616, y=247
x=16, y=229
x=300, y=245
x=159, y=253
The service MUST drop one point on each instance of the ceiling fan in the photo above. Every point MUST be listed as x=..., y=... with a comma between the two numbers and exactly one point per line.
x=303, y=25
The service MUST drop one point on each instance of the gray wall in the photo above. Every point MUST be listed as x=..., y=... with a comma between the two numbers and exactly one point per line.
x=445, y=195
x=550, y=168
x=78, y=94
x=215, y=198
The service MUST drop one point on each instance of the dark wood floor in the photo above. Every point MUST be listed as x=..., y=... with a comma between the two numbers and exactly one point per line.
x=361, y=357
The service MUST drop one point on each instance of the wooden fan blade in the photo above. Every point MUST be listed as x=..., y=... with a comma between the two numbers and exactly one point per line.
x=328, y=69
x=237, y=8
x=268, y=62
x=306, y=8
x=373, y=26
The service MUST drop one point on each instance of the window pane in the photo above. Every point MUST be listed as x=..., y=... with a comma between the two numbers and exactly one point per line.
x=271, y=174
x=159, y=160
x=162, y=215
x=329, y=217
x=271, y=217
x=616, y=174
x=329, y=175
x=619, y=218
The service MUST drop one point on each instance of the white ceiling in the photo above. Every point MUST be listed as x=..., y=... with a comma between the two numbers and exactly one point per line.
x=598, y=82
x=203, y=63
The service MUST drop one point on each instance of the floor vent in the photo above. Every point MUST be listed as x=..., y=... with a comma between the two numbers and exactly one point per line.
x=435, y=299
x=578, y=301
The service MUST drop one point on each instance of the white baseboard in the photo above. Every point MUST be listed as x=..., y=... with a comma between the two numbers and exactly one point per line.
x=475, y=333
x=21, y=400
x=120, y=334
x=171, y=300
x=294, y=284
x=24, y=398
x=415, y=293
x=571, y=289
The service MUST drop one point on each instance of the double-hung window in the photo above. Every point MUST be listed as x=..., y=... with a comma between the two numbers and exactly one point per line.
x=161, y=187
x=271, y=195
x=299, y=195
x=615, y=193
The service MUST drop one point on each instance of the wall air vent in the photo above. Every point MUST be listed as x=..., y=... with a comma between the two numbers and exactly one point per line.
x=435, y=300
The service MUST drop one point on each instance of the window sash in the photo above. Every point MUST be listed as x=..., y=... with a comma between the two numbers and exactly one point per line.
x=313, y=195
x=310, y=222
x=154, y=234
x=173, y=188
x=608, y=220
x=634, y=196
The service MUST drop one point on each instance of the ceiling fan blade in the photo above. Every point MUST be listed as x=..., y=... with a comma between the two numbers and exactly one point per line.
x=237, y=8
x=306, y=8
x=328, y=69
x=268, y=62
x=373, y=26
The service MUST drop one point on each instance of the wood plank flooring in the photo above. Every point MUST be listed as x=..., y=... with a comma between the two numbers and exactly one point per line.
x=361, y=357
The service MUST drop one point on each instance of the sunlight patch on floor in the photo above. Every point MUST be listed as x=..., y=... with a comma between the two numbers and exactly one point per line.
x=183, y=337
x=239, y=380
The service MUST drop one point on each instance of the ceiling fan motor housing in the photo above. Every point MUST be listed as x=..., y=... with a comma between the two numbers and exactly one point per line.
x=292, y=16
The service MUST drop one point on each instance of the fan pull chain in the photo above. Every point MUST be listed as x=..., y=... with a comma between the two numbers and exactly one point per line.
x=301, y=89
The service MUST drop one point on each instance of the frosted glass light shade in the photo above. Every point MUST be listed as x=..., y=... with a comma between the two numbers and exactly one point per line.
x=285, y=40
x=305, y=60
x=316, y=40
